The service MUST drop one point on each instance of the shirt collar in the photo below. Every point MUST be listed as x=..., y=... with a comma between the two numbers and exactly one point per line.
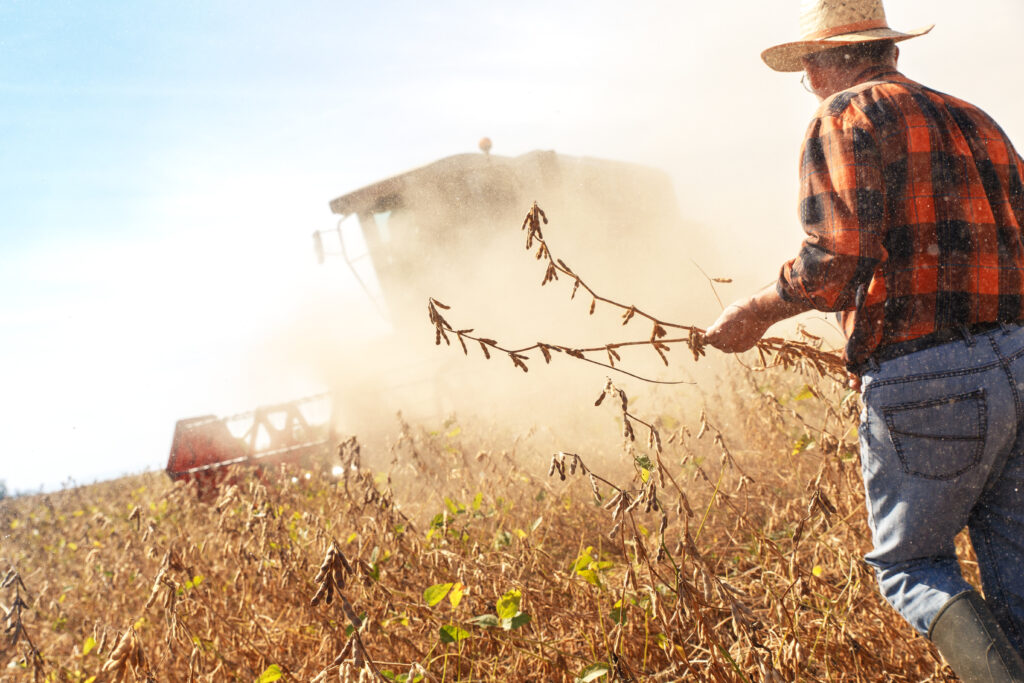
x=876, y=71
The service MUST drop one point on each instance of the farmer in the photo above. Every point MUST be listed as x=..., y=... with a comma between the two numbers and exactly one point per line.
x=913, y=205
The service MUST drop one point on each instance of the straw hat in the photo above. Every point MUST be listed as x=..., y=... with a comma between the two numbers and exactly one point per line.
x=831, y=23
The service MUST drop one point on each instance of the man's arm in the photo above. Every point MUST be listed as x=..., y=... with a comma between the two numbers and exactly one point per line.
x=842, y=213
x=745, y=321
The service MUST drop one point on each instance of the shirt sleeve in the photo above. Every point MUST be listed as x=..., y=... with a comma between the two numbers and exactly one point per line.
x=842, y=210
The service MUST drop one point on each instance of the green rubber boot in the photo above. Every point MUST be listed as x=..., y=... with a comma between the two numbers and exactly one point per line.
x=972, y=642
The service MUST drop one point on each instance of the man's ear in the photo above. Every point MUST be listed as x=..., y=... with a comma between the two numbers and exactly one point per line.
x=895, y=54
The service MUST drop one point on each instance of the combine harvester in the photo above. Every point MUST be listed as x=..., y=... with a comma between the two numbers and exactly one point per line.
x=205, y=448
x=429, y=232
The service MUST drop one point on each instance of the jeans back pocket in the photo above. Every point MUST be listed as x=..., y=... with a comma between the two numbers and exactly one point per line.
x=939, y=438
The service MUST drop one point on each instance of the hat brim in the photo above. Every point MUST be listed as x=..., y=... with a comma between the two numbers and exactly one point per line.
x=789, y=56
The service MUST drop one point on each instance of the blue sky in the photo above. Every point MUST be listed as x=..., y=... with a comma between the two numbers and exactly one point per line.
x=163, y=164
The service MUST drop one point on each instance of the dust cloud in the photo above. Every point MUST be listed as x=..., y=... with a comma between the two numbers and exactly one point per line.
x=690, y=99
x=452, y=231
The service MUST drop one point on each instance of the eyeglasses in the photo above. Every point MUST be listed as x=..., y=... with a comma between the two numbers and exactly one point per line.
x=806, y=83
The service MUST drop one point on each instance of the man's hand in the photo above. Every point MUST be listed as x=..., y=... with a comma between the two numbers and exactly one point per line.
x=744, y=322
x=737, y=329
x=853, y=381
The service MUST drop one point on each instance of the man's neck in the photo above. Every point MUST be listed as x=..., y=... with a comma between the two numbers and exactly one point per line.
x=830, y=80
x=872, y=72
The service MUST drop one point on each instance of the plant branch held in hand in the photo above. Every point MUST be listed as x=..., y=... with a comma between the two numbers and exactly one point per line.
x=772, y=350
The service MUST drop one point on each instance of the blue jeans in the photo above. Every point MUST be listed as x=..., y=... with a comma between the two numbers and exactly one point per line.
x=942, y=447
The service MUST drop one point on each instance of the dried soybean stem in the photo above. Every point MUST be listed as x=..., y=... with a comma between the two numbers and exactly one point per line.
x=780, y=351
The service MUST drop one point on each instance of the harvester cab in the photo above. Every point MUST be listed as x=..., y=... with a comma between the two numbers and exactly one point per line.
x=439, y=221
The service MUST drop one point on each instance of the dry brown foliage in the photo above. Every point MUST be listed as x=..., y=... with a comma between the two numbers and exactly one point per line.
x=722, y=544
x=717, y=541
x=772, y=351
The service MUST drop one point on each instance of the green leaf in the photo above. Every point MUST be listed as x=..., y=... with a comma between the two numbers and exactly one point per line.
x=272, y=673
x=593, y=672
x=584, y=560
x=452, y=634
x=805, y=393
x=436, y=593
x=478, y=500
x=502, y=539
x=455, y=596
x=485, y=621
x=520, y=619
x=350, y=629
x=88, y=645
x=589, y=576
x=508, y=604
x=669, y=422
x=618, y=613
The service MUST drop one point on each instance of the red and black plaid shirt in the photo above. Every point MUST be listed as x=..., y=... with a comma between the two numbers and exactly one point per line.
x=913, y=204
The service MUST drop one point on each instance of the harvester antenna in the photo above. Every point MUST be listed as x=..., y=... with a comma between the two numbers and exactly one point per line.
x=485, y=146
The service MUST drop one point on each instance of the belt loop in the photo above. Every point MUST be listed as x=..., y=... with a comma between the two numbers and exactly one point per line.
x=1005, y=327
x=968, y=338
x=872, y=363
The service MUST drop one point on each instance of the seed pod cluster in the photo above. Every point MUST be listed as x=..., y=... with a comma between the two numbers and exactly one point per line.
x=332, y=575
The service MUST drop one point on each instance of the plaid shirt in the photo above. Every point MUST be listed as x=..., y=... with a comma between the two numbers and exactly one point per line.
x=913, y=204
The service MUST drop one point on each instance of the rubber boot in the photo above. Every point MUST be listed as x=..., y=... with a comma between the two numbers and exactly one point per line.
x=972, y=642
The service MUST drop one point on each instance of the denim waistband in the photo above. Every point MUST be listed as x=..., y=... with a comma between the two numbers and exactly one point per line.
x=944, y=336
